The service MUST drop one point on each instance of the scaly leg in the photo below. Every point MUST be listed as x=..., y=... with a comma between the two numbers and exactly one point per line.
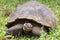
x=15, y=30
x=36, y=31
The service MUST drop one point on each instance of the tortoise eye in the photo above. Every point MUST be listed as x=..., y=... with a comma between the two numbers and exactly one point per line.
x=28, y=25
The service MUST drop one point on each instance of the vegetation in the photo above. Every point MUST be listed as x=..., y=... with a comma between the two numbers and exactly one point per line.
x=8, y=6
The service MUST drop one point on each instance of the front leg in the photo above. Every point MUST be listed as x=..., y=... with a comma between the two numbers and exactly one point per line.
x=15, y=30
x=36, y=31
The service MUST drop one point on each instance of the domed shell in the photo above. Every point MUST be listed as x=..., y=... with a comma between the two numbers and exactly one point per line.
x=34, y=11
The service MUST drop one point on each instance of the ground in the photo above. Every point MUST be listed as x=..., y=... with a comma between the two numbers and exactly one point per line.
x=8, y=6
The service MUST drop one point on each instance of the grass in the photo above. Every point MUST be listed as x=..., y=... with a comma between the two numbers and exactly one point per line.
x=10, y=5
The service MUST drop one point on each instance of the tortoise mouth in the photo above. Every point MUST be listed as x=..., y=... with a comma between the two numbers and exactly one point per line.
x=26, y=30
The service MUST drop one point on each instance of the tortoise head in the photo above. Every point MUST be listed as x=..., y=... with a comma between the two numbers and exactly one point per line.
x=27, y=27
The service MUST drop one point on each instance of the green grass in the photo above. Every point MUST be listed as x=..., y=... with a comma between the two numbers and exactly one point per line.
x=10, y=5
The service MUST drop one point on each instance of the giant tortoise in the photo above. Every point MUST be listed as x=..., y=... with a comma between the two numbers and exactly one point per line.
x=29, y=18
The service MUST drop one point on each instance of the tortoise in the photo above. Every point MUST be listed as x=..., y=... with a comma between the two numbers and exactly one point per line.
x=29, y=18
